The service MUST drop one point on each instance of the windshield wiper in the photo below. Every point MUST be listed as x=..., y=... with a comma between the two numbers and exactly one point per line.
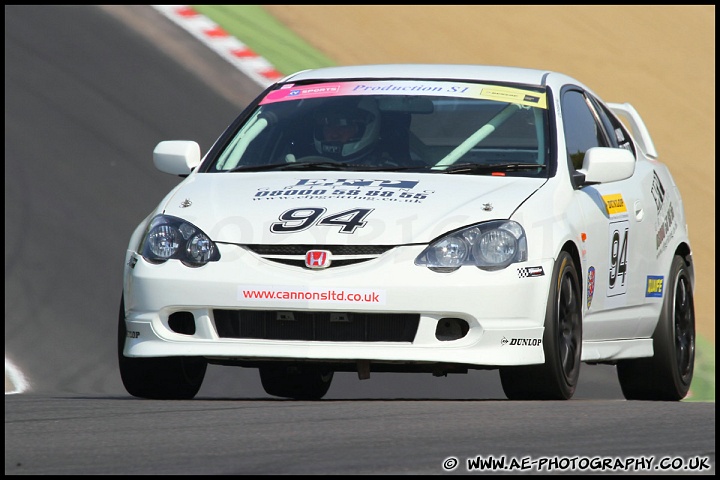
x=482, y=168
x=320, y=166
x=297, y=166
x=412, y=168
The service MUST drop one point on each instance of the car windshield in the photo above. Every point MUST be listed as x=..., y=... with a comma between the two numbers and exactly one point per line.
x=433, y=126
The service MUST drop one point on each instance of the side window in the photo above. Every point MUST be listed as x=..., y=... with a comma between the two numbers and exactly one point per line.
x=619, y=136
x=582, y=130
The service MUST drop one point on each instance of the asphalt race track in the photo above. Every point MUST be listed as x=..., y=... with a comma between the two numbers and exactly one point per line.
x=87, y=98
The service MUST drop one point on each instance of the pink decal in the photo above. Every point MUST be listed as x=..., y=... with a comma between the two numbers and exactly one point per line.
x=305, y=91
x=407, y=87
x=378, y=87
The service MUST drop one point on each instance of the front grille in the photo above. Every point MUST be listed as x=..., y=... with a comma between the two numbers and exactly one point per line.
x=301, y=263
x=316, y=326
x=334, y=249
x=342, y=255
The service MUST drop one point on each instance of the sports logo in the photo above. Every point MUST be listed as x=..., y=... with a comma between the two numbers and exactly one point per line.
x=317, y=259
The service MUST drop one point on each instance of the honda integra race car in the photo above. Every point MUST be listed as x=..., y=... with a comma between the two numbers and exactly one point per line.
x=414, y=218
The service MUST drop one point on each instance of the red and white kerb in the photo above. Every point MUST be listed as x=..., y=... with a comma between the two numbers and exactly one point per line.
x=227, y=46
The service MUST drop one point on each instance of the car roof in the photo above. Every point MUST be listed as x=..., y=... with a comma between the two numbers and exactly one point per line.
x=488, y=73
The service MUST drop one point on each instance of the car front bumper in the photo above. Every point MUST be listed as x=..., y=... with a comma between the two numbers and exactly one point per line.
x=504, y=310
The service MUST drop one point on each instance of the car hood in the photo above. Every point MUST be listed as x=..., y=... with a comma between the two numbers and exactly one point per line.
x=349, y=208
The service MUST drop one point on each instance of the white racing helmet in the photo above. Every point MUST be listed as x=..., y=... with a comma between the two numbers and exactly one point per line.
x=347, y=128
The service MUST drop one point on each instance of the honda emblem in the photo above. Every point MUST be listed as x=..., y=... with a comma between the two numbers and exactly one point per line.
x=317, y=259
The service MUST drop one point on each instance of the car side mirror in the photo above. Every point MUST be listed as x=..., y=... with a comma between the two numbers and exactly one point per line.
x=176, y=157
x=603, y=165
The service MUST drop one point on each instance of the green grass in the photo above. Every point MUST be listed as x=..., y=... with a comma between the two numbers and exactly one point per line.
x=702, y=388
x=266, y=36
x=288, y=53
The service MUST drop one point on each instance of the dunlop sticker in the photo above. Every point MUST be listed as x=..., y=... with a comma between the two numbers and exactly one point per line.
x=614, y=204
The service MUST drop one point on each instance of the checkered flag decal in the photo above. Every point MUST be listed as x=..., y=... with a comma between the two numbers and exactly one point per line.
x=530, y=272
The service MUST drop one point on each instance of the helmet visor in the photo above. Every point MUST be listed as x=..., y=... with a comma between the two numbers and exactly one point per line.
x=342, y=127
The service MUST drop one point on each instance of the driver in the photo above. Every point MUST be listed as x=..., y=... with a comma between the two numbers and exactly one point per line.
x=347, y=132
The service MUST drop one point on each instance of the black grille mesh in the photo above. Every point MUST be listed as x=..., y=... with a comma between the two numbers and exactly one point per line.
x=303, y=249
x=316, y=326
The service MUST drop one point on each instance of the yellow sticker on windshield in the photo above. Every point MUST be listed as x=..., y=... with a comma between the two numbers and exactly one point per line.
x=514, y=95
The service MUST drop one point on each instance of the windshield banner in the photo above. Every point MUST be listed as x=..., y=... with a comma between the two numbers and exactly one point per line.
x=518, y=96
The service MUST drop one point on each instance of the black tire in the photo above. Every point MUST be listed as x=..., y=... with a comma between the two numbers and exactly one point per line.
x=666, y=375
x=299, y=382
x=163, y=378
x=557, y=378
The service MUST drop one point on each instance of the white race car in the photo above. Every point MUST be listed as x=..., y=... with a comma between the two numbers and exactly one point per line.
x=414, y=218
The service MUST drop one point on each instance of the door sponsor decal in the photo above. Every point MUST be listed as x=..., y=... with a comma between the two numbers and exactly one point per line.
x=658, y=191
x=665, y=230
x=655, y=284
x=614, y=204
x=618, y=261
x=590, y=285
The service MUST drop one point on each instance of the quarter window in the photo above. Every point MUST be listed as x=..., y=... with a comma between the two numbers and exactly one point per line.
x=619, y=136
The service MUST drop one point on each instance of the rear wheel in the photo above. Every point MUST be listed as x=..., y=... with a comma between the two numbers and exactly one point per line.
x=299, y=382
x=162, y=378
x=667, y=374
x=557, y=378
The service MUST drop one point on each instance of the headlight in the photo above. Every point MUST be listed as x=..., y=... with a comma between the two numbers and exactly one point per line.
x=491, y=246
x=170, y=237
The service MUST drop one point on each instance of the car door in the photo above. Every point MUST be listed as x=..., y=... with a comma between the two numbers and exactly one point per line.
x=616, y=236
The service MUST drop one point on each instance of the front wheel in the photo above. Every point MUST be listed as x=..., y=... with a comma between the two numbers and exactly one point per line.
x=668, y=373
x=162, y=378
x=557, y=378
x=299, y=382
